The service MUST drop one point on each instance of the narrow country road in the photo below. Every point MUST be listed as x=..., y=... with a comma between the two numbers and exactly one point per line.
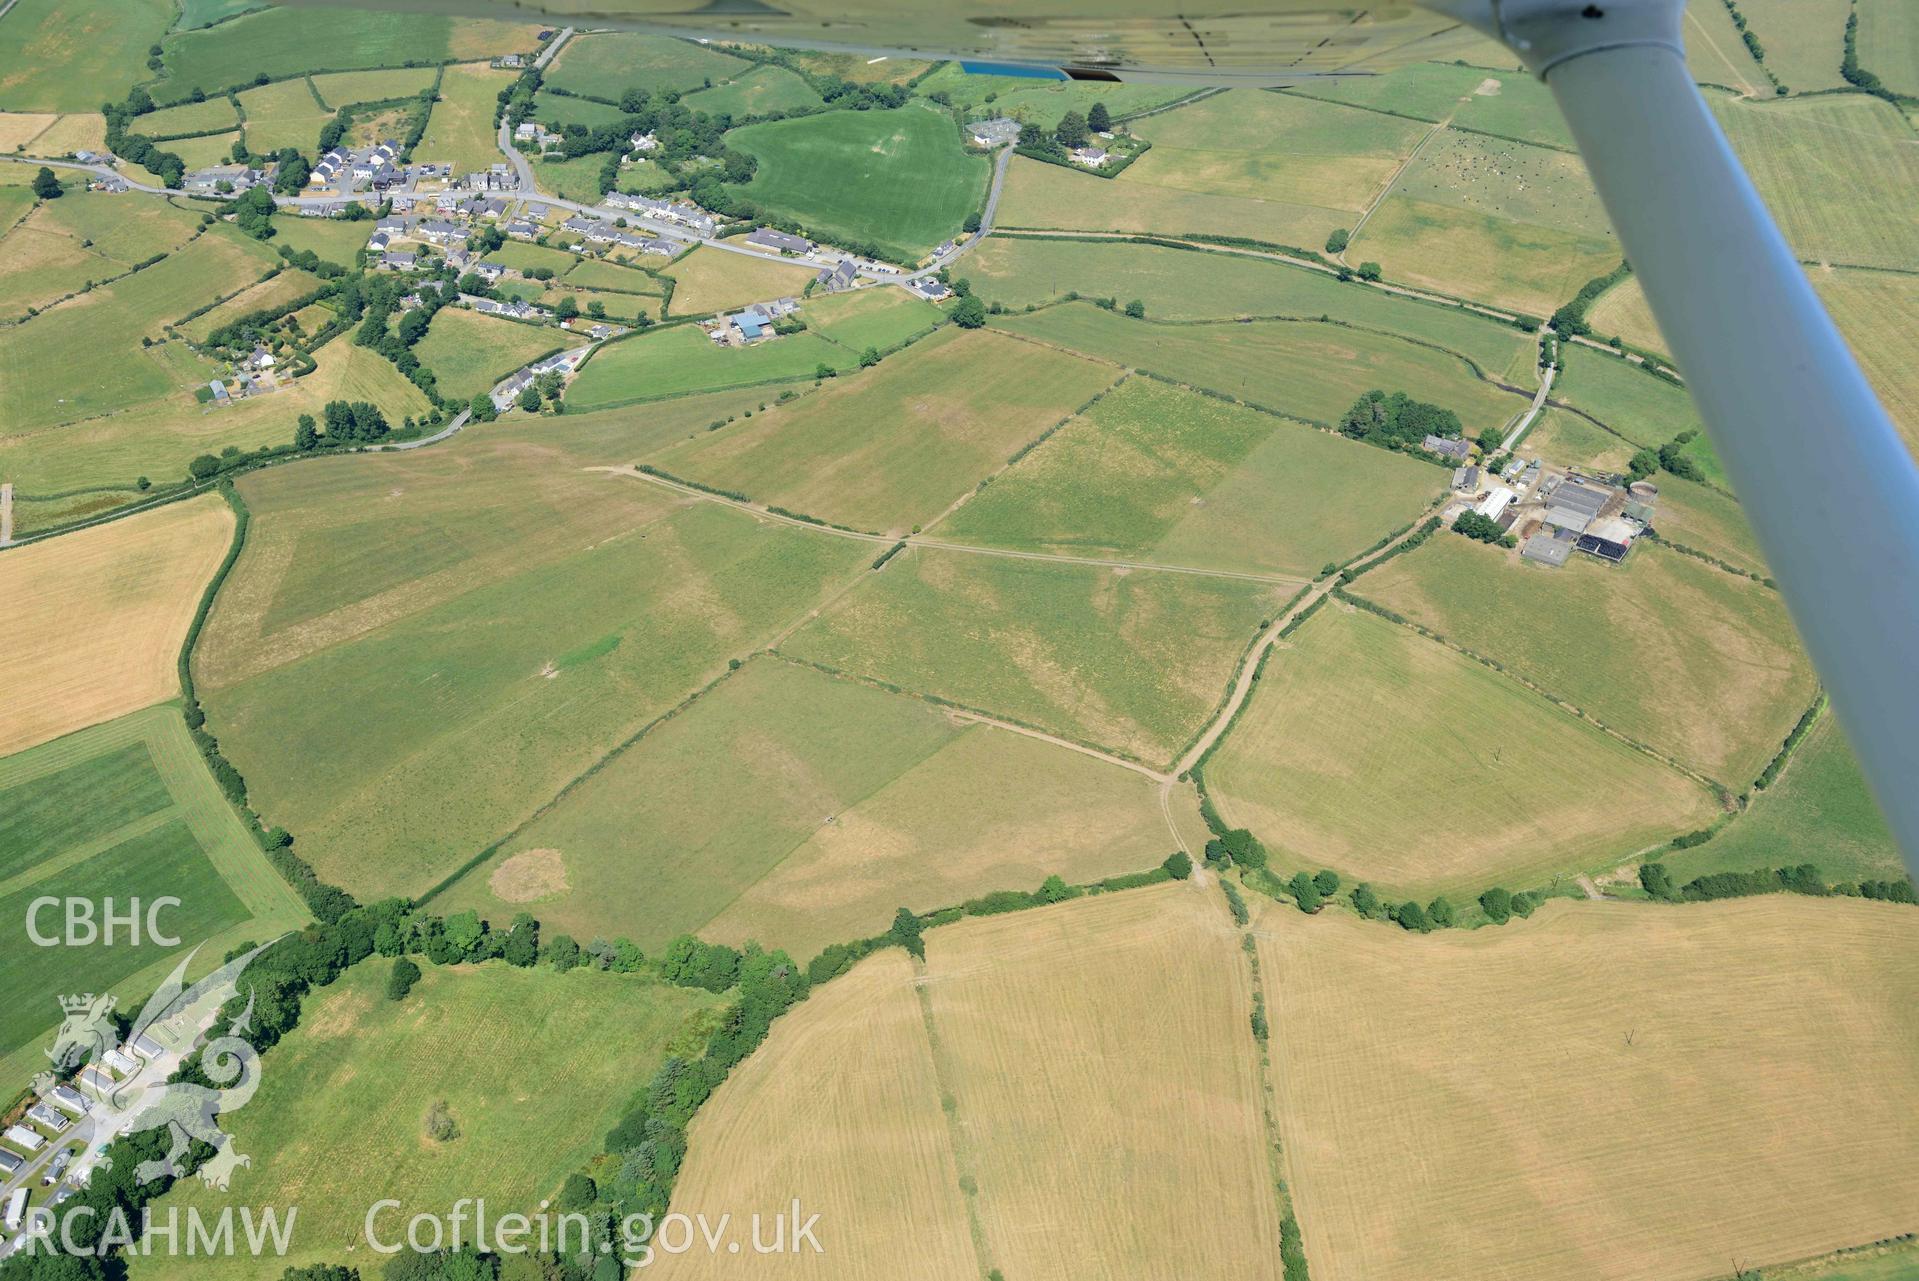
x=1539, y=402
x=6, y=513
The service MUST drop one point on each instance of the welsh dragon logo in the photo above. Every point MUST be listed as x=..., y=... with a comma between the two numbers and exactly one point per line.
x=169, y=1027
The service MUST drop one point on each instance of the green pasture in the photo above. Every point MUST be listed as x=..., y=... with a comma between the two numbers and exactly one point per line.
x=759, y=92
x=683, y=359
x=606, y=64
x=468, y=352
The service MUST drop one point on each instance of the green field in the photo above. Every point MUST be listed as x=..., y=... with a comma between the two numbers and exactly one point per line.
x=212, y=116
x=533, y=1066
x=520, y=256
x=1889, y=43
x=1506, y=103
x=576, y=179
x=283, y=114
x=1563, y=437
x=333, y=239
x=1837, y=171
x=683, y=359
x=563, y=109
x=1155, y=473
x=1869, y=307
x=344, y=88
x=1041, y=102
x=1673, y=652
x=1372, y=750
x=84, y=359
x=460, y=131
x=877, y=318
x=606, y=64
x=593, y=273
x=801, y=810
x=125, y=809
x=1046, y=197
x=1817, y=811
x=505, y=618
x=1188, y=284
x=1302, y=368
x=289, y=42
x=72, y=55
x=760, y=92
x=1250, y=143
x=1130, y=660
x=1804, y=39
x=62, y=244
x=468, y=352
x=893, y=448
x=1642, y=407
x=1500, y=222
x=899, y=178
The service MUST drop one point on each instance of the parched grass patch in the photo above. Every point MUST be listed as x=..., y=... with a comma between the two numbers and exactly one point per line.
x=283, y=114
x=576, y=179
x=467, y=595
x=1157, y=473
x=1421, y=1142
x=710, y=280
x=57, y=247
x=800, y=810
x=759, y=92
x=842, y=1099
x=95, y=619
x=337, y=1123
x=1564, y=437
x=606, y=64
x=1678, y=654
x=896, y=446
x=1717, y=54
x=1836, y=171
x=72, y=55
x=344, y=88
x=1804, y=39
x=468, y=352
x=1251, y=143
x=1496, y=221
x=1871, y=309
x=1372, y=750
x=460, y=130
x=1310, y=370
x=683, y=360
x=124, y=809
x=1049, y=197
x=877, y=318
x=78, y=131
x=281, y=290
x=1819, y=810
x=1131, y=660
x=1707, y=520
x=1623, y=312
x=897, y=178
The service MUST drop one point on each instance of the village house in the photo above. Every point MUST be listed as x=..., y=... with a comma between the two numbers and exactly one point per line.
x=643, y=142
x=929, y=288
x=842, y=276
x=520, y=229
x=1457, y=450
x=440, y=231
x=768, y=238
x=397, y=260
x=1091, y=157
x=1000, y=131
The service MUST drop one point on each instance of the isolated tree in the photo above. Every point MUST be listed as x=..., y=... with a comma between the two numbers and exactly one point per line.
x=1136, y=309
x=481, y=407
x=596, y=309
x=969, y=313
x=46, y=184
x=1178, y=866
x=823, y=371
x=1336, y=242
x=567, y=308
x=1305, y=892
x=530, y=399
x=1643, y=463
x=306, y=433
x=1657, y=881
x=398, y=983
x=1099, y=120
x=1369, y=271
x=869, y=357
x=906, y=933
x=971, y=224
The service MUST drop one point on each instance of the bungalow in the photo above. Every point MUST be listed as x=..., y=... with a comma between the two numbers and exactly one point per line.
x=657, y=245
x=1000, y=131
x=509, y=62
x=440, y=231
x=483, y=207
x=768, y=238
x=1091, y=157
x=520, y=229
x=837, y=278
x=378, y=241
x=44, y=1115
x=928, y=287
x=391, y=226
x=260, y=359
x=489, y=271
x=945, y=250
x=10, y=1163
x=580, y=225
x=212, y=176
x=396, y=260
x=26, y=1137
x=66, y=1097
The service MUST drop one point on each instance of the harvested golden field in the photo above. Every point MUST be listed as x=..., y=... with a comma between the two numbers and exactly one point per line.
x=1103, y=1118
x=840, y=1108
x=1612, y=1091
x=1107, y=1087
x=713, y=280
x=94, y=620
